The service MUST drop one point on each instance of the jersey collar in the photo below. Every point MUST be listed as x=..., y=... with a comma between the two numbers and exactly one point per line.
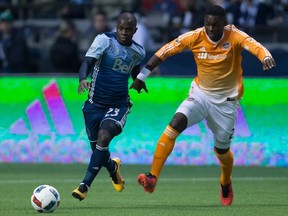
x=213, y=42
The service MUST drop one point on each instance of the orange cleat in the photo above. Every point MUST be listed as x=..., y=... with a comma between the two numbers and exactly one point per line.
x=148, y=181
x=226, y=194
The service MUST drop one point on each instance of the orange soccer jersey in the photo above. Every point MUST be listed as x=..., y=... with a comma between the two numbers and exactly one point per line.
x=219, y=71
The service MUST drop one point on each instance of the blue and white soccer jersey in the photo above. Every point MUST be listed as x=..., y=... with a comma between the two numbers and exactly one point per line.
x=108, y=96
x=109, y=84
x=221, y=117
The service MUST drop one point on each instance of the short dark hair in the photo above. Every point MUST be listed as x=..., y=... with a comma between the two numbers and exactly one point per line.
x=128, y=17
x=216, y=10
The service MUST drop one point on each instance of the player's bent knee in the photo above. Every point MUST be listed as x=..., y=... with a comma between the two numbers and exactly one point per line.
x=104, y=138
x=111, y=127
x=221, y=146
x=179, y=122
x=221, y=151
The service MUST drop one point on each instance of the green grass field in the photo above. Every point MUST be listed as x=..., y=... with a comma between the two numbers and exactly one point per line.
x=181, y=190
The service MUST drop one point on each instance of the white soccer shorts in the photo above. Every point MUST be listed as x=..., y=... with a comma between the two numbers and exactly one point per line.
x=221, y=118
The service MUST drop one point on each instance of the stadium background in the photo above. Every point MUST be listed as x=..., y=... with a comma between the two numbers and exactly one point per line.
x=41, y=119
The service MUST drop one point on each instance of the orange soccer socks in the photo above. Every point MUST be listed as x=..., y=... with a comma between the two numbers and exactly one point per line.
x=226, y=163
x=164, y=147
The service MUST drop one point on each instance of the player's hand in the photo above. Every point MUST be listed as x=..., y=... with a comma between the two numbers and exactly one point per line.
x=83, y=85
x=268, y=63
x=138, y=85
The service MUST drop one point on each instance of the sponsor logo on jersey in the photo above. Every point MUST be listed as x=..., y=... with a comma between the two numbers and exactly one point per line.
x=119, y=65
x=205, y=55
x=202, y=55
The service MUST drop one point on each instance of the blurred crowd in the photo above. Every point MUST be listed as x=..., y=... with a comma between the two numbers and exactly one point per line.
x=53, y=36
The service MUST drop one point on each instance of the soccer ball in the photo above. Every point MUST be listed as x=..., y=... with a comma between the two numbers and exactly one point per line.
x=45, y=198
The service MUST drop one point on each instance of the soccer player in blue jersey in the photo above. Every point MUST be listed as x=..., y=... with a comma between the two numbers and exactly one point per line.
x=112, y=58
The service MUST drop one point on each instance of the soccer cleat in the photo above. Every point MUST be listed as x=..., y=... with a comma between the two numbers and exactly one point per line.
x=226, y=194
x=148, y=181
x=80, y=193
x=117, y=180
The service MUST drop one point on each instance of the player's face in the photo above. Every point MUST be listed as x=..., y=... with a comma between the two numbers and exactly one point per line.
x=125, y=31
x=214, y=26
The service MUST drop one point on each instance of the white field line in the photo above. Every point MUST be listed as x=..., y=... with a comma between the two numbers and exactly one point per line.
x=26, y=181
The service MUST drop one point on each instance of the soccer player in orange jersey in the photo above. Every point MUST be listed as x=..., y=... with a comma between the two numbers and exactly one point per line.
x=213, y=95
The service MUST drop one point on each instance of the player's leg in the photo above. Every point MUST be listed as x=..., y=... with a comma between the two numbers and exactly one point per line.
x=222, y=122
x=166, y=142
x=226, y=158
x=98, y=158
x=92, y=121
x=110, y=129
x=113, y=123
x=188, y=113
x=101, y=157
x=163, y=149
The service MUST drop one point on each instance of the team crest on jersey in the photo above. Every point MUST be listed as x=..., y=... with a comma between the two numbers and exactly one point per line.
x=226, y=45
x=134, y=57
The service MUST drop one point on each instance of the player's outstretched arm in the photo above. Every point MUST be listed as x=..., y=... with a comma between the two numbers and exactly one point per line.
x=86, y=66
x=139, y=83
x=268, y=63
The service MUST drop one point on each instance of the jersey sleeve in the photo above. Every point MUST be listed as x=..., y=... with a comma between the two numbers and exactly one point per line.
x=250, y=44
x=142, y=55
x=176, y=46
x=99, y=45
